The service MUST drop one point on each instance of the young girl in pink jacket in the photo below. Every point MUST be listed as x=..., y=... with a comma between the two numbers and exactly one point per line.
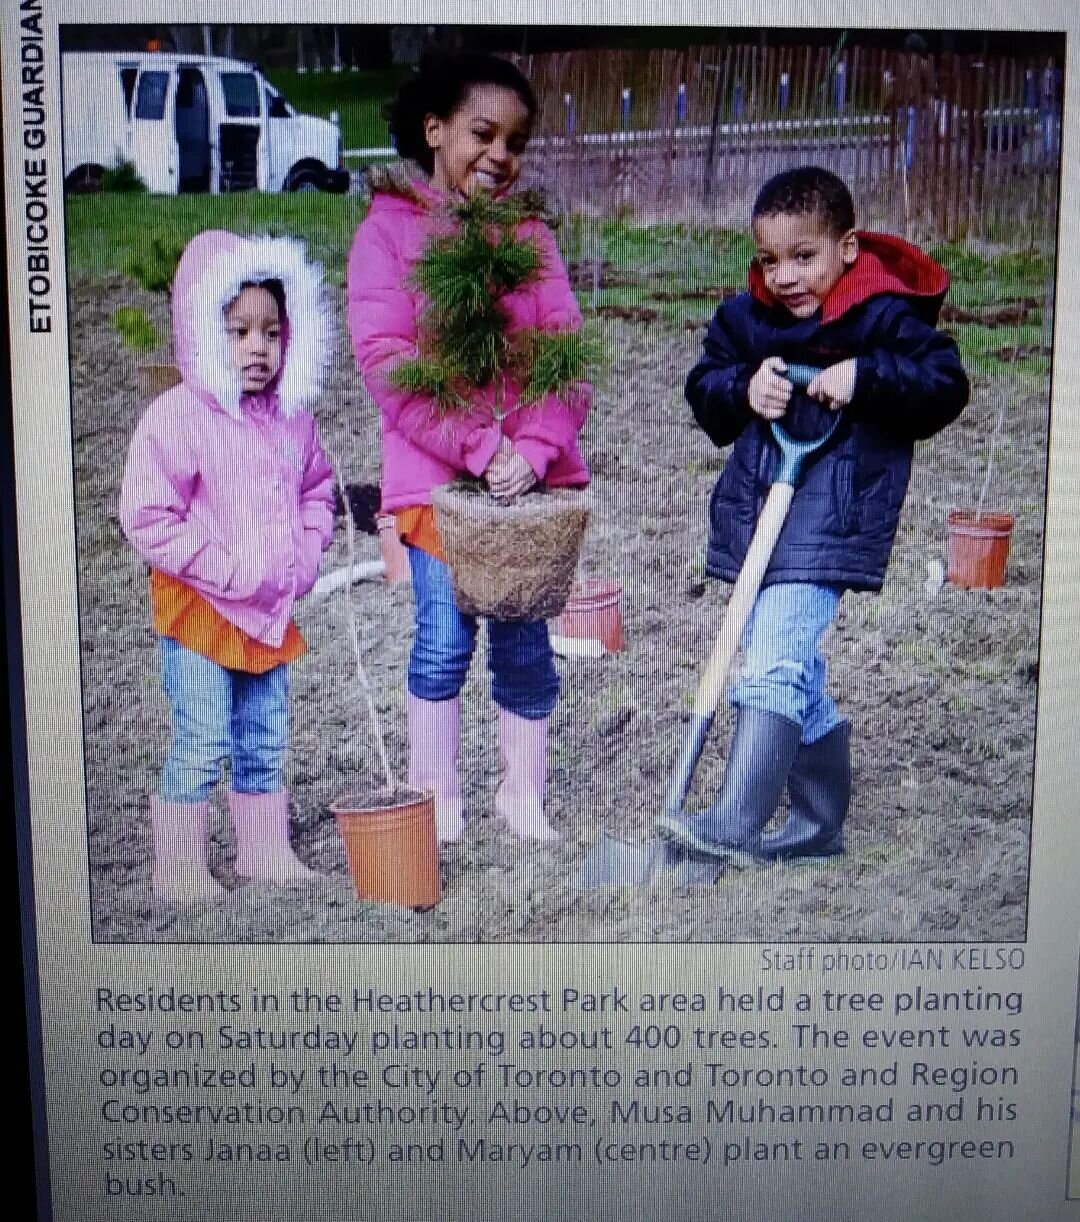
x=462, y=124
x=227, y=495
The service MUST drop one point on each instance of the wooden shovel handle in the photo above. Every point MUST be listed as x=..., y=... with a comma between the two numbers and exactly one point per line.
x=742, y=598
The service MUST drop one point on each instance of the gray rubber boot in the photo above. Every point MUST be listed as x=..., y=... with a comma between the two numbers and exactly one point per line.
x=820, y=790
x=762, y=750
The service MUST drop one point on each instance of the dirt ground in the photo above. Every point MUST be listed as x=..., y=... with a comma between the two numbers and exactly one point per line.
x=940, y=684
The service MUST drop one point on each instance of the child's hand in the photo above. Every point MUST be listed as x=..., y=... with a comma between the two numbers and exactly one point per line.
x=835, y=386
x=496, y=469
x=511, y=478
x=769, y=391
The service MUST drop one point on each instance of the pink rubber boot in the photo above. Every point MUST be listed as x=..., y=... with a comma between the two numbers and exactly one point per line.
x=520, y=796
x=434, y=744
x=181, y=839
x=263, y=852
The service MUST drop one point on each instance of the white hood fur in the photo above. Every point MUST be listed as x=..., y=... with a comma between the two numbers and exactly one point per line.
x=309, y=326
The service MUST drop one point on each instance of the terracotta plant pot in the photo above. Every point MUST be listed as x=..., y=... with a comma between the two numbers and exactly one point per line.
x=391, y=848
x=978, y=548
x=155, y=380
x=593, y=613
x=393, y=550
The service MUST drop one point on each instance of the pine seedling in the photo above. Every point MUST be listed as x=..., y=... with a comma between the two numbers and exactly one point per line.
x=430, y=378
x=513, y=263
x=455, y=273
x=465, y=345
x=557, y=361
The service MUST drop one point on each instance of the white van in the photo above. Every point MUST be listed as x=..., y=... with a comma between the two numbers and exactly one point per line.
x=191, y=123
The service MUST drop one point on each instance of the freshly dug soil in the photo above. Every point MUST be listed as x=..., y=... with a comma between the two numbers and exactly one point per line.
x=377, y=797
x=939, y=682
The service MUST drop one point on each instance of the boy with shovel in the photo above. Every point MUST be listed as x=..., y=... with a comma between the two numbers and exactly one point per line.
x=860, y=307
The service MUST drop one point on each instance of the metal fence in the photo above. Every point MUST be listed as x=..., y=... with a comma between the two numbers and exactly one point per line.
x=943, y=147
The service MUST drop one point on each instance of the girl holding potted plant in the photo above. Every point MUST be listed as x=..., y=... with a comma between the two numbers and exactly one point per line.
x=466, y=332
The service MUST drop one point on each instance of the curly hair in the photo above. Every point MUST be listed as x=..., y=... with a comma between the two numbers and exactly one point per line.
x=441, y=84
x=807, y=190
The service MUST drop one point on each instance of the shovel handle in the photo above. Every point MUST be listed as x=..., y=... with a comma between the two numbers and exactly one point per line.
x=728, y=640
x=742, y=598
x=801, y=375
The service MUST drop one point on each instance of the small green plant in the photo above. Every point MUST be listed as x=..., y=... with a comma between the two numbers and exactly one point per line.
x=136, y=329
x=155, y=266
x=559, y=360
x=964, y=264
x=123, y=177
x=464, y=342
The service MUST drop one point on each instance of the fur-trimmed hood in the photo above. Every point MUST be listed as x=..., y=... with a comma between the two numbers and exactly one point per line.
x=213, y=268
x=406, y=181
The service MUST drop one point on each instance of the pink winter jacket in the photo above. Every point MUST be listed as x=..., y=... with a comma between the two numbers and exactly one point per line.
x=232, y=493
x=423, y=447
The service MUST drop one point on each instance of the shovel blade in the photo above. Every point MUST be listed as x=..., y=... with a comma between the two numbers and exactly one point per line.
x=619, y=863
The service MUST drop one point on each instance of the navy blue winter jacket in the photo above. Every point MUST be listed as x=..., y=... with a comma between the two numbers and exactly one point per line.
x=909, y=384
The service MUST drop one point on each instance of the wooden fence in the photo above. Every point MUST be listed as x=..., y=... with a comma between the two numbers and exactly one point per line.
x=941, y=147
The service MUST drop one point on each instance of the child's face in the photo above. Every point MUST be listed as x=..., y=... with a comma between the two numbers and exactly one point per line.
x=254, y=328
x=481, y=143
x=801, y=259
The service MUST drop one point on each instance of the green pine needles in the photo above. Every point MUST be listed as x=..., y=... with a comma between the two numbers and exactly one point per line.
x=557, y=361
x=464, y=344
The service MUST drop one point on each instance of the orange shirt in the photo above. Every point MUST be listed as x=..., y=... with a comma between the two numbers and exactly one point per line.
x=416, y=526
x=182, y=613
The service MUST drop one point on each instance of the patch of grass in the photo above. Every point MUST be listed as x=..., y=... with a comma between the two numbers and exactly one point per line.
x=962, y=263
x=1022, y=265
x=154, y=263
x=106, y=232
x=357, y=97
x=136, y=329
x=672, y=256
x=124, y=178
x=979, y=347
x=878, y=856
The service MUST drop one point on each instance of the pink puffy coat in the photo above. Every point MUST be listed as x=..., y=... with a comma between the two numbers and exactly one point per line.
x=423, y=447
x=232, y=493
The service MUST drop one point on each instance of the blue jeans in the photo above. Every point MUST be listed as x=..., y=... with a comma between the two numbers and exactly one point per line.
x=523, y=675
x=783, y=670
x=218, y=714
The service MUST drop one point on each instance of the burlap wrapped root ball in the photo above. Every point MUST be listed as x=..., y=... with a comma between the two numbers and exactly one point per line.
x=511, y=560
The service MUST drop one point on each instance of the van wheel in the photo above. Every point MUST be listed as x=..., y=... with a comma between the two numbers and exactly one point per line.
x=303, y=180
x=85, y=180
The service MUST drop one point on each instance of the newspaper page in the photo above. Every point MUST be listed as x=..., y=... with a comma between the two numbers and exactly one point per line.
x=546, y=565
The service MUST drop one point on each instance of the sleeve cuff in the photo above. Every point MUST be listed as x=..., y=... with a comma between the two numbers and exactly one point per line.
x=479, y=453
x=865, y=376
x=538, y=454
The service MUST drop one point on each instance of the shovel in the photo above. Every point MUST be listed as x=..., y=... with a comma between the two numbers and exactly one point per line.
x=613, y=862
